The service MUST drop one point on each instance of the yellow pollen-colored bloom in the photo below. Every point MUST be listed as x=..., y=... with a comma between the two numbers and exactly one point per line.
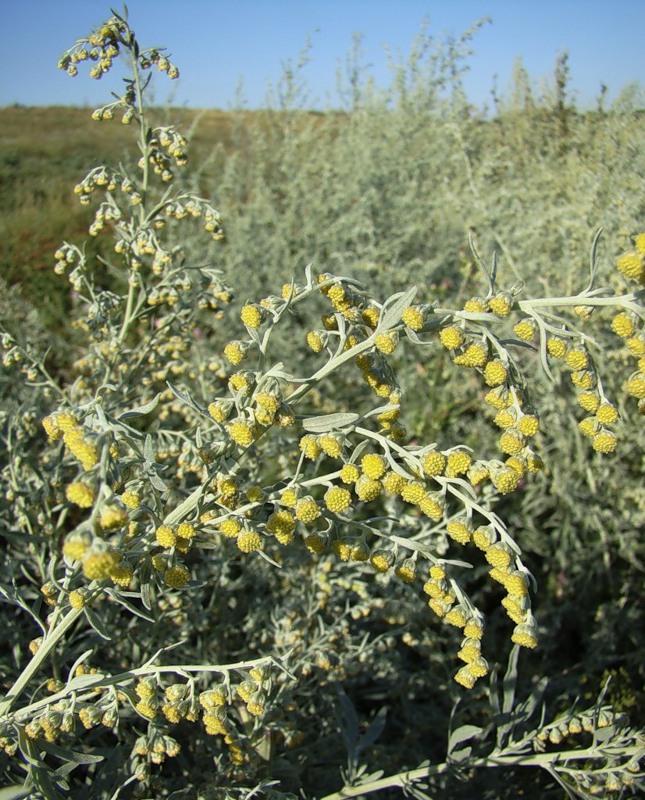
x=310, y=447
x=235, y=352
x=604, y=442
x=474, y=355
x=241, y=433
x=165, y=536
x=77, y=599
x=330, y=445
x=268, y=401
x=506, y=480
x=504, y=419
x=249, y=541
x=113, y=517
x=475, y=306
x=460, y=530
x=386, y=342
x=525, y=635
x=589, y=426
x=525, y=330
x=316, y=543
x=367, y=488
x=122, y=574
x=457, y=617
x=76, y=545
x=343, y=549
x=465, y=678
x=632, y=265
x=528, y=425
x=557, y=348
x=589, y=401
x=478, y=473
x=81, y=494
x=500, y=305
x=97, y=564
x=186, y=530
x=639, y=243
x=289, y=497
x=282, y=524
x=230, y=527
x=470, y=649
x=413, y=317
x=373, y=465
x=514, y=609
x=218, y=412
x=381, y=560
x=337, y=499
x=499, y=555
x=434, y=463
x=370, y=316
x=607, y=414
x=583, y=379
x=458, y=463
x=577, y=359
x=131, y=500
x=349, y=473
x=52, y=428
x=636, y=345
x=252, y=315
x=474, y=629
x=635, y=386
x=307, y=510
x=484, y=537
x=315, y=341
x=393, y=483
x=516, y=584
x=431, y=507
x=511, y=443
x=406, y=571
x=623, y=325
x=451, y=337
x=176, y=576
x=495, y=373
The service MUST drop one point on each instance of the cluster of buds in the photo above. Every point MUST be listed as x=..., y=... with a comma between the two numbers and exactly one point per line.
x=156, y=57
x=102, y=47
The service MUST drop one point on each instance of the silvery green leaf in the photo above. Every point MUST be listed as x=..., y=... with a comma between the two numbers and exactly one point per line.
x=96, y=622
x=461, y=755
x=156, y=482
x=140, y=411
x=73, y=757
x=462, y=734
x=330, y=422
x=185, y=397
x=394, y=307
x=148, y=449
x=83, y=682
x=14, y=793
x=374, y=731
x=130, y=606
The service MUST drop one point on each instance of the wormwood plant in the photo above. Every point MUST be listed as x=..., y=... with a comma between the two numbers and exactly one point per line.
x=202, y=540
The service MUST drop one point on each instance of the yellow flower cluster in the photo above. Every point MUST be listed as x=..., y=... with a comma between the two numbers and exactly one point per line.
x=81, y=494
x=65, y=425
x=631, y=264
x=282, y=525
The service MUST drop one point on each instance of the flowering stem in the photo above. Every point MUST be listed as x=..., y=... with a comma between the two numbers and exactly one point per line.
x=48, y=644
x=544, y=760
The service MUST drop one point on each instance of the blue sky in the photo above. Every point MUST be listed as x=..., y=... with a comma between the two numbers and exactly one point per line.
x=215, y=43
